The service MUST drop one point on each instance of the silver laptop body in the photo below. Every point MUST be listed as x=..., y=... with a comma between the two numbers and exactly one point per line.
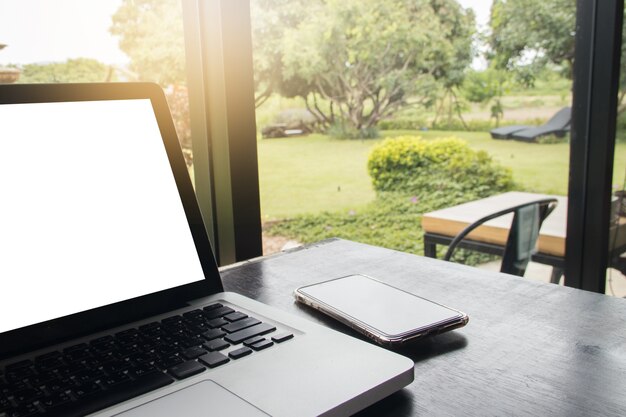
x=101, y=238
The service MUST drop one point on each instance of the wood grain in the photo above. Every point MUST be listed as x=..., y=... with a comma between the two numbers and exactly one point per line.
x=529, y=349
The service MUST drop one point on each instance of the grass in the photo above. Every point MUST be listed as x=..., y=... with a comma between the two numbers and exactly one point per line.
x=316, y=173
x=311, y=174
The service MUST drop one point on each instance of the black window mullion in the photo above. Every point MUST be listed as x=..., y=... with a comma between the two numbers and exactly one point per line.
x=596, y=81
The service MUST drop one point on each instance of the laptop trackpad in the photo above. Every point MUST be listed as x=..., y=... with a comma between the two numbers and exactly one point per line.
x=199, y=400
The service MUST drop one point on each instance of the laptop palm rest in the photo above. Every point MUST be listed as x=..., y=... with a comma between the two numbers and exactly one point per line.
x=200, y=400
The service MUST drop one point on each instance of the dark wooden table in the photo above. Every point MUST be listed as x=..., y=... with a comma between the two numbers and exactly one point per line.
x=529, y=349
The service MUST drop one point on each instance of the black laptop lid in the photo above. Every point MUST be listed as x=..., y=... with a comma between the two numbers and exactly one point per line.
x=99, y=223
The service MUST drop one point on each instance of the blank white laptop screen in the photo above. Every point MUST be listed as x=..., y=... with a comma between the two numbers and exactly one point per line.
x=89, y=210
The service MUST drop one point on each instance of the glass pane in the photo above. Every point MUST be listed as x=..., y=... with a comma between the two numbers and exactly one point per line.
x=345, y=89
x=616, y=280
x=103, y=41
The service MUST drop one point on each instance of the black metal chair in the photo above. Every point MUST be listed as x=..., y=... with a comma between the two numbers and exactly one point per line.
x=523, y=235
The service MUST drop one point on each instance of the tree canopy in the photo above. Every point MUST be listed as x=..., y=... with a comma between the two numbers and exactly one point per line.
x=73, y=70
x=533, y=32
x=364, y=59
x=151, y=33
x=368, y=58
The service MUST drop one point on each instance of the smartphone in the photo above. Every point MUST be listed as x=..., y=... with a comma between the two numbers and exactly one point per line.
x=383, y=313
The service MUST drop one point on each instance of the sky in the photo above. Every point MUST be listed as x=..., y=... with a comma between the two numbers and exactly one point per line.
x=55, y=30
x=481, y=9
x=49, y=30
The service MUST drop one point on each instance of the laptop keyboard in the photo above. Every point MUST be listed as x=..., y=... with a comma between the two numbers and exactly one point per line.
x=88, y=377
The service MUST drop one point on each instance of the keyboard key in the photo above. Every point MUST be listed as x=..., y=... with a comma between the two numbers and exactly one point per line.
x=18, y=374
x=115, y=394
x=150, y=326
x=5, y=404
x=193, y=314
x=50, y=363
x=240, y=353
x=213, y=334
x=237, y=315
x=83, y=390
x=240, y=336
x=193, y=352
x=263, y=344
x=217, y=344
x=54, y=400
x=140, y=370
x=186, y=369
x=213, y=359
x=218, y=312
x=172, y=320
x=212, y=307
x=23, y=411
x=80, y=346
x=19, y=365
x=114, y=379
x=253, y=340
x=218, y=322
x=191, y=342
x=241, y=324
x=279, y=338
x=27, y=395
x=47, y=356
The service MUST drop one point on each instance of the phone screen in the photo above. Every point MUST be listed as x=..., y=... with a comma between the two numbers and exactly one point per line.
x=385, y=308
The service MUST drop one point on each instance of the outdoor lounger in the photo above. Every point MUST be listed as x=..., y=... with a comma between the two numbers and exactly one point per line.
x=558, y=125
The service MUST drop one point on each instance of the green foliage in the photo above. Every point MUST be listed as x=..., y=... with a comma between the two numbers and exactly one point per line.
x=413, y=165
x=270, y=20
x=487, y=86
x=71, y=71
x=151, y=33
x=527, y=34
x=552, y=139
x=370, y=58
x=343, y=131
x=404, y=123
x=393, y=221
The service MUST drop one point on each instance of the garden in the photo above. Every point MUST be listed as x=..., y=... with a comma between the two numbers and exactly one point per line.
x=400, y=130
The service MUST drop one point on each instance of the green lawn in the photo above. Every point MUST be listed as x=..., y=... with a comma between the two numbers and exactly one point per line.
x=316, y=173
x=312, y=174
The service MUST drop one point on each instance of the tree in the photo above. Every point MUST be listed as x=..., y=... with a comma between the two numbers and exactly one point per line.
x=369, y=58
x=73, y=70
x=533, y=32
x=485, y=87
x=151, y=33
x=270, y=20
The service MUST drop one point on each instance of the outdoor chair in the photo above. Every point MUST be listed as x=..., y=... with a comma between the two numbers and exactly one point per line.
x=558, y=125
x=523, y=234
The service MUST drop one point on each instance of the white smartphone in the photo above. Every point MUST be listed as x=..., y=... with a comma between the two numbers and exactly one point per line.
x=386, y=314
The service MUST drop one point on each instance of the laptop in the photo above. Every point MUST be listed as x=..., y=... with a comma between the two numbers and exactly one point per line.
x=112, y=302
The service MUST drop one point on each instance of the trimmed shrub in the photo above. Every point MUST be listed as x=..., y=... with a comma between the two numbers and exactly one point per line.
x=412, y=165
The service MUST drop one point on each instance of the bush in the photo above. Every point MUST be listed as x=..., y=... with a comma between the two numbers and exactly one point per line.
x=420, y=123
x=344, y=131
x=416, y=166
x=393, y=221
x=404, y=124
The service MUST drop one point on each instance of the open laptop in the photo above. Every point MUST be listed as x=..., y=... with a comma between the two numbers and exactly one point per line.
x=112, y=302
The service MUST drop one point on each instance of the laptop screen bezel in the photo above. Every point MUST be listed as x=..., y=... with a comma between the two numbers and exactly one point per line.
x=38, y=335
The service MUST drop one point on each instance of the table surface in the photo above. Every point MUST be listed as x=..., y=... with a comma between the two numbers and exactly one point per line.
x=529, y=348
x=452, y=220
